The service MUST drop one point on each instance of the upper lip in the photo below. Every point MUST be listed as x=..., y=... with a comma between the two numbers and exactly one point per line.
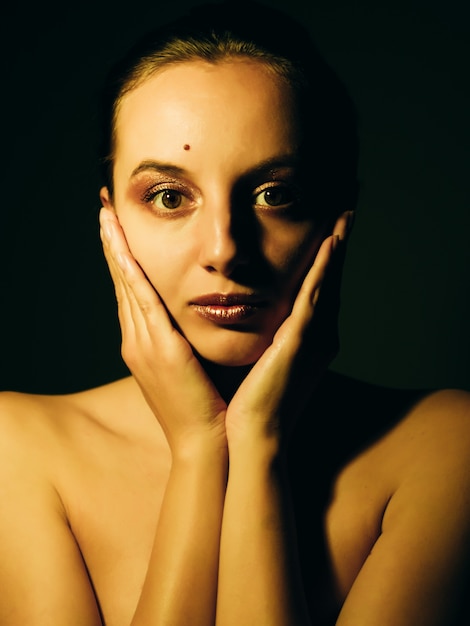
x=229, y=299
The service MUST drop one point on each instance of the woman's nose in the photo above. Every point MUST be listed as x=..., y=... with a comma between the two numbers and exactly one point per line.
x=222, y=244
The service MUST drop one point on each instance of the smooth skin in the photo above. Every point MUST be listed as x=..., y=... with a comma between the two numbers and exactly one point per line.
x=200, y=490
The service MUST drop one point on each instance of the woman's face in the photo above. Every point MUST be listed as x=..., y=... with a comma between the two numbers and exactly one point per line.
x=207, y=189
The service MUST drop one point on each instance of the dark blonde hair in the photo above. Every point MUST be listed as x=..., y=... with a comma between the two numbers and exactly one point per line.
x=249, y=30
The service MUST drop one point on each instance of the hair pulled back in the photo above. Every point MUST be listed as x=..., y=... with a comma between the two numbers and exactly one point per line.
x=246, y=29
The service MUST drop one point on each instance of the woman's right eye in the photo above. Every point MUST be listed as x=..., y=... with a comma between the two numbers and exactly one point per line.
x=167, y=199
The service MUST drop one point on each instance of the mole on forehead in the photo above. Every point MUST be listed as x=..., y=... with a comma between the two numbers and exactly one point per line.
x=186, y=146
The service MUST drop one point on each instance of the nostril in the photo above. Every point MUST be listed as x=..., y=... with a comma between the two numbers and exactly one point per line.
x=226, y=260
x=229, y=236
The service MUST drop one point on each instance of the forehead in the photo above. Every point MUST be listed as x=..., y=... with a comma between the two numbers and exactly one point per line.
x=205, y=105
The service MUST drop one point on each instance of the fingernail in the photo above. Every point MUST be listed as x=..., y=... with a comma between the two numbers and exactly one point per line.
x=105, y=213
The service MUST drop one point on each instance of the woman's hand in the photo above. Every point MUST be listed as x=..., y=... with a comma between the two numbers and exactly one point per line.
x=279, y=384
x=258, y=550
x=173, y=382
x=181, y=578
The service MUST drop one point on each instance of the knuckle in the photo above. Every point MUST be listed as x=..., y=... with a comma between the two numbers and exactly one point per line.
x=129, y=354
x=145, y=307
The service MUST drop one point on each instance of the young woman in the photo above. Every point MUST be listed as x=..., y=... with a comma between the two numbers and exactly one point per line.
x=231, y=479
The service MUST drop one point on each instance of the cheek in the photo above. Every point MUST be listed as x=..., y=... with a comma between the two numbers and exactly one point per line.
x=292, y=251
x=151, y=248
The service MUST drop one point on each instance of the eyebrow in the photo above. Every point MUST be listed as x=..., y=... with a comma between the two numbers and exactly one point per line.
x=273, y=163
x=158, y=166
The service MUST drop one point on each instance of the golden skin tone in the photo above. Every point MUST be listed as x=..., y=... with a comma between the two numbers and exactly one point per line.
x=203, y=243
x=206, y=256
x=133, y=477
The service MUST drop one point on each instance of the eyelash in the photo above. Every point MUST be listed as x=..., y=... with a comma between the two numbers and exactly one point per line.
x=149, y=196
x=282, y=187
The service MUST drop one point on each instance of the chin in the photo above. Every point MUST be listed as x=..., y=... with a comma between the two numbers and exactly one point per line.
x=239, y=350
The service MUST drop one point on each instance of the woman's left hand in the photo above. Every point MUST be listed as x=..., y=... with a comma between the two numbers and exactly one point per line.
x=272, y=395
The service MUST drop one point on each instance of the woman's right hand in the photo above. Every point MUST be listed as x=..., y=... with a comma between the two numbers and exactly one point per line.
x=173, y=382
x=181, y=577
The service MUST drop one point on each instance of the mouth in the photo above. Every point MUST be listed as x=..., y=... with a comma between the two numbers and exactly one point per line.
x=228, y=308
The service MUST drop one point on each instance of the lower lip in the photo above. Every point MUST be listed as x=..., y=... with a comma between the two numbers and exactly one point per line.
x=226, y=314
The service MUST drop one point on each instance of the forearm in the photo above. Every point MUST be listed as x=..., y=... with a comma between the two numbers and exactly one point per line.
x=259, y=579
x=181, y=582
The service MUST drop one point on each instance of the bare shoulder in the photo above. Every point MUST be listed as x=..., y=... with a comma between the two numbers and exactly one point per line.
x=41, y=435
x=42, y=570
x=53, y=450
x=412, y=446
x=399, y=523
x=432, y=439
x=445, y=413
x=107, y=407
x=26, y=424
x=46, y=434
x=428, y=454
x=361, y=415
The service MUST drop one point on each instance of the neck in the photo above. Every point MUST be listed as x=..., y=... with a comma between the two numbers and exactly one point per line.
x=226, y=379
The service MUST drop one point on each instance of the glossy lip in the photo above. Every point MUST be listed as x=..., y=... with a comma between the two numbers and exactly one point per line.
x=227, y=308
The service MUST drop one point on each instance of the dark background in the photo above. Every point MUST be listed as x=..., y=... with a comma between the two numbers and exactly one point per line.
x=406, y=294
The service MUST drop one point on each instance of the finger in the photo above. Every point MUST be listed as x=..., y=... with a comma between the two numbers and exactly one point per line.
x=309, y=291
x=146, y=307
x=294, y=331
x=307, y=340
x=344, y=224
x=310, y=336
x=331, y=249
x=124, y=309
x=138, y=343
x=121, y=264
x=332, y=283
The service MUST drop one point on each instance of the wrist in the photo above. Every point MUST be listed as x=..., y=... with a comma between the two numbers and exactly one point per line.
x=200, y=449
x=255, y=447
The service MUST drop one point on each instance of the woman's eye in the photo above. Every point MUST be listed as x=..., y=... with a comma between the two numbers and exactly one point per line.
x=167, y=199
x=275, y=196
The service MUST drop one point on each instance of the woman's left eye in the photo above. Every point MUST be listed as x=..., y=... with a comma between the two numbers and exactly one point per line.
x=277, y=196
